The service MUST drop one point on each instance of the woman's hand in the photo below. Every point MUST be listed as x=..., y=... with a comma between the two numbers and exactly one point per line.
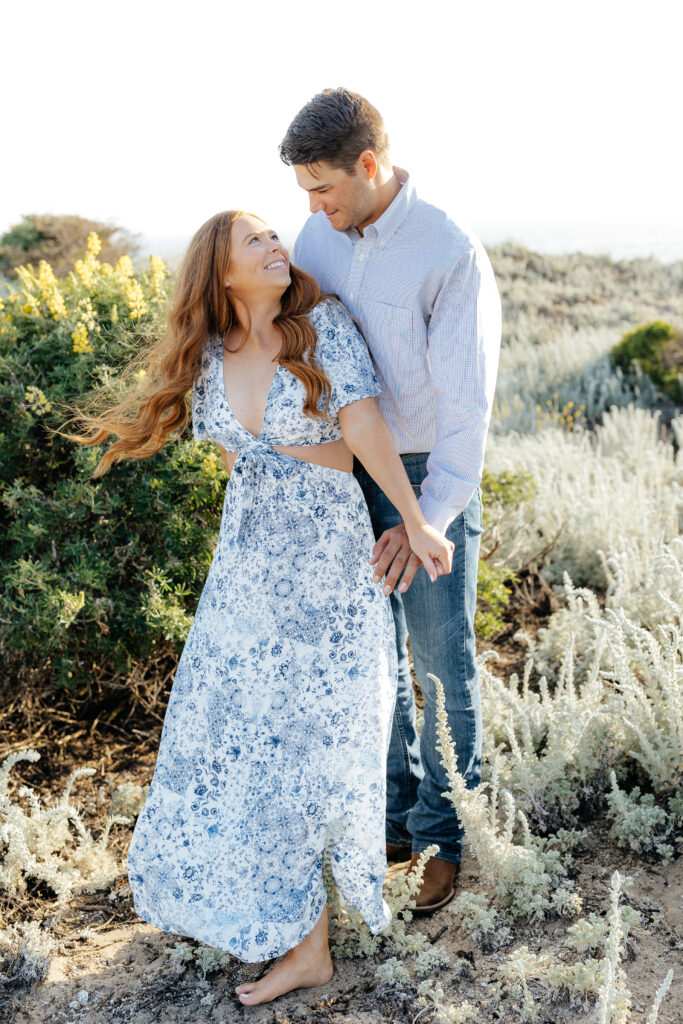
x=433, y=549
x=393, y=557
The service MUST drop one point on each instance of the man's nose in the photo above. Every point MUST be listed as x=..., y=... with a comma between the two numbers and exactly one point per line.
x=315, y=203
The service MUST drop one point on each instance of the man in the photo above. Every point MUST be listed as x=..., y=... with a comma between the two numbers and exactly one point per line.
x=424, y=293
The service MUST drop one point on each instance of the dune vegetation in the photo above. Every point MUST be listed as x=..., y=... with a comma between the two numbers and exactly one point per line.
x=568, y=906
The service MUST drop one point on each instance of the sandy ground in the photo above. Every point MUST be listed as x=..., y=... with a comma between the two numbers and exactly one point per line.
x=110, y=966
x=122, y=971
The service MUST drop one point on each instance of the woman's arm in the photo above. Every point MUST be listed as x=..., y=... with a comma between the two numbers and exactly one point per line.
x=227, y=457
x=370, y=440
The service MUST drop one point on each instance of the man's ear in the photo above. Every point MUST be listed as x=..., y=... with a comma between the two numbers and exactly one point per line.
x=368, y=161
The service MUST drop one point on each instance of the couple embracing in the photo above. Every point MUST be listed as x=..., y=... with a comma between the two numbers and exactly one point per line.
x=349, y=389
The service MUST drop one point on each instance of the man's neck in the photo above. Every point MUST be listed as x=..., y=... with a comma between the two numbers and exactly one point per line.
x=384, y=196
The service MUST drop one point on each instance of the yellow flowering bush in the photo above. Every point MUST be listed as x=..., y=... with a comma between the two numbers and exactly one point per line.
x=94, y=244
x=568, y=416
x=36, y=400
x=79, y=559
x=88, y=299
x=80, y=338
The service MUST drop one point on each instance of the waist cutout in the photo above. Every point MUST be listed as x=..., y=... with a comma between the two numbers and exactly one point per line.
x=332, y=454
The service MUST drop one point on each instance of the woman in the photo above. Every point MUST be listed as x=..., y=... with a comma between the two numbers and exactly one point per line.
x=278, y=722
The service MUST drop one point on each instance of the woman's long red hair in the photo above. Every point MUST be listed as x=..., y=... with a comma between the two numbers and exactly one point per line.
x=155, y=383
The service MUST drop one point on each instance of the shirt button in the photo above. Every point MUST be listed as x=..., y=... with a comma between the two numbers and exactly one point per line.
x=350, y=295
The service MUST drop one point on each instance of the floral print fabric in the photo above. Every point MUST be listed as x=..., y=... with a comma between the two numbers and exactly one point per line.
x=277, y=728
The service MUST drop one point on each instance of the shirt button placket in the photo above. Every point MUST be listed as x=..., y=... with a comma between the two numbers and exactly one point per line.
x=361, y=251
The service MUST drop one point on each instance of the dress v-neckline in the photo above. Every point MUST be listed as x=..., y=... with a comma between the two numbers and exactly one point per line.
x=224, y=395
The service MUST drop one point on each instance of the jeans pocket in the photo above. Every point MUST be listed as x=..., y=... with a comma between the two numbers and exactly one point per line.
x=473, y=515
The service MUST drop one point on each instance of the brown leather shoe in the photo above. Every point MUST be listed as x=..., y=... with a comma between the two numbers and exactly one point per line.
x=398, y=853
x=438, y=884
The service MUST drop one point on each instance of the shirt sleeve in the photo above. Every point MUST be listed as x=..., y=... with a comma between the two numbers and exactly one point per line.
x=199, y=430
x=305, y=251
x=463, y=337
x=342, y=353
x=296, y=249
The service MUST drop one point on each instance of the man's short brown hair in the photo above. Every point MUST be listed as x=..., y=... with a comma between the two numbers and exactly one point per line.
x=335, y=126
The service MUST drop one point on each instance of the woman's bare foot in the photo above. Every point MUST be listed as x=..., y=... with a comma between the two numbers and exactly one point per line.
x=305, y=966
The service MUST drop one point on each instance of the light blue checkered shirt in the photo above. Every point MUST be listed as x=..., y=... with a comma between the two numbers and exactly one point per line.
x=424, y=293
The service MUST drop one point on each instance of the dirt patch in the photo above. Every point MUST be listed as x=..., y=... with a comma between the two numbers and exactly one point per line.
x=110, y=966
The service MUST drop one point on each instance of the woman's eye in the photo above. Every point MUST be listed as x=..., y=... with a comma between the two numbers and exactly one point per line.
x=254, y=239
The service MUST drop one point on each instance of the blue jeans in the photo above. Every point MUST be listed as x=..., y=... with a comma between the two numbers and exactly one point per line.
x=439, y=619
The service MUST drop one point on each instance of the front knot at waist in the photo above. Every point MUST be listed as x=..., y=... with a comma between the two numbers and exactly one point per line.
x=255, y=465
x=255, y=452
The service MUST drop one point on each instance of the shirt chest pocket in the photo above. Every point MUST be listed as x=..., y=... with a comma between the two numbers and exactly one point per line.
x=387, y=328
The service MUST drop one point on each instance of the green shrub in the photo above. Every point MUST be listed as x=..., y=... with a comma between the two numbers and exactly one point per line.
x=657, y=349
x=499, y=492
x=504, y=490
x=98, y=578
x=493, y=597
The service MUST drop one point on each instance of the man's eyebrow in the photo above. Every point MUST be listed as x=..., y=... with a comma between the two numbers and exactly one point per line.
x=317, y=188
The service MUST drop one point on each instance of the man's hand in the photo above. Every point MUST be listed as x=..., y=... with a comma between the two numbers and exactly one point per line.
x=393, y=556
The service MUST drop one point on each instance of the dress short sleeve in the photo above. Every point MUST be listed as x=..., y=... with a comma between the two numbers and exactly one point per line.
x=199, y=405
x=343, y=355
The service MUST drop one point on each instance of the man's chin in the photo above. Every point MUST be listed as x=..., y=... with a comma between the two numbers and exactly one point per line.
x=340, y=225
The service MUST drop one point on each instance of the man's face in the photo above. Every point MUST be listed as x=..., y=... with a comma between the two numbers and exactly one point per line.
x=346, y=199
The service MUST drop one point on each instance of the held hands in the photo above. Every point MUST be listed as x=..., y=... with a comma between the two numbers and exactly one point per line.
x=399, y=550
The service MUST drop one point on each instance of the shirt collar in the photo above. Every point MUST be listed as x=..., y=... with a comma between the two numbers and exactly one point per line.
x=395, y=213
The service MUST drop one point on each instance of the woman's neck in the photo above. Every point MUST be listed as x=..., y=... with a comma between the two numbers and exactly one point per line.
x=255, y=319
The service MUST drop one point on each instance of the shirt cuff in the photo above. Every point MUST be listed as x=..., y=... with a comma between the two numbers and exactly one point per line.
x=437, y=514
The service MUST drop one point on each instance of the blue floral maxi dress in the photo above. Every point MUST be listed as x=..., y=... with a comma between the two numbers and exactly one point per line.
x=277, y=728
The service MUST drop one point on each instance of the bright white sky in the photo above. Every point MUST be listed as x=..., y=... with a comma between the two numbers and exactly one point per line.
x=155, y=115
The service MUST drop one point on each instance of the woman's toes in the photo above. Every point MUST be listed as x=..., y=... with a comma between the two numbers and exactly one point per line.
x=245, y=989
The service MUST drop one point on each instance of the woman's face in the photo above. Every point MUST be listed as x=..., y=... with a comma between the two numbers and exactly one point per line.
x=258, y=262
